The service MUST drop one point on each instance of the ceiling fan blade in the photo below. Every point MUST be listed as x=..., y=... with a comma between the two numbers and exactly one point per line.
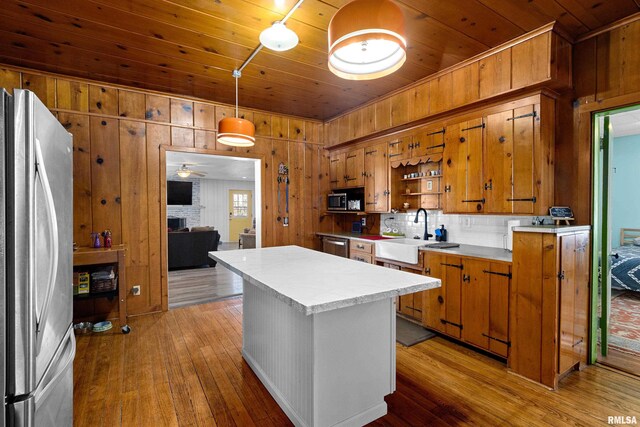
x=198, y=173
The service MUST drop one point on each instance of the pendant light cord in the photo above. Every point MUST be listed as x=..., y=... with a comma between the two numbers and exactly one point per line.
x=236, y=75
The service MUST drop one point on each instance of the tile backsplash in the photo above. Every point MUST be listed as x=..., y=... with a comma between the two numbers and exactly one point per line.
x=481, y=230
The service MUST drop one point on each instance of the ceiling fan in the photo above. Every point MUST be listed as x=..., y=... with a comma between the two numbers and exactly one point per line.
x=185, y=172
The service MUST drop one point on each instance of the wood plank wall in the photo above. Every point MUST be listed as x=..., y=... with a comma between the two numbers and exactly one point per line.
x=118, y=167
x=606, y=76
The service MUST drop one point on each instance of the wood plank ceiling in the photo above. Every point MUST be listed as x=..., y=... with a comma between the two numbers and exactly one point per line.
x=190, y=47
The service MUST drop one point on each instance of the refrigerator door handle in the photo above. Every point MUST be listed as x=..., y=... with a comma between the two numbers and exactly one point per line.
x=53, y=235
x=63, y=367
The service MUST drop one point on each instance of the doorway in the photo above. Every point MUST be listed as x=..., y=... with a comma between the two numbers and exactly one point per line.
x=616, y=243
x=197, y=214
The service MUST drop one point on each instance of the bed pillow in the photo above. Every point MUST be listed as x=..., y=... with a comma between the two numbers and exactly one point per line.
x=636, y=241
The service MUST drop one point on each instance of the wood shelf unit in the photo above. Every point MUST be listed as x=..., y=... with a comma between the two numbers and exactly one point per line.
x=90, y=257
x=421, y=177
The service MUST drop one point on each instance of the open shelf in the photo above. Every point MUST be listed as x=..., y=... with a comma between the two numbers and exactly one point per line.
x=93, y=295
x=421, y=177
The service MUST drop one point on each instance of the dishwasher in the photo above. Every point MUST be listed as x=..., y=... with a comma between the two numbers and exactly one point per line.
x=335, y=246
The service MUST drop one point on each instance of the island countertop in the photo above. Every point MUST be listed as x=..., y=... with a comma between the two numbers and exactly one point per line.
x=314, y=282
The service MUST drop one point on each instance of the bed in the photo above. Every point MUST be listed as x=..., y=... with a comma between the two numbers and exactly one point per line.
x=625, y=270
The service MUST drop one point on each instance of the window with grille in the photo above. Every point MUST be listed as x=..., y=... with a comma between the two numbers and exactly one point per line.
x=241, y=205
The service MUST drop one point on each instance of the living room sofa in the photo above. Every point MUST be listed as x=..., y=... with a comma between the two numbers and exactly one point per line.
x=191, y=248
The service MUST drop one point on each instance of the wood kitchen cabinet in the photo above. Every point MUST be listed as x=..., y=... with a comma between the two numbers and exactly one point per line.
x=485, y=305
x=354, y=168
x=462, y=167
x=502, y=162
x=399, y=148
x=409, y=305
x=442, y=305
x=549, y=302
x=473, y=302
x=517, y=162
x=376, y=180
x=361, y=251
x=337, y=170
x=427, y=142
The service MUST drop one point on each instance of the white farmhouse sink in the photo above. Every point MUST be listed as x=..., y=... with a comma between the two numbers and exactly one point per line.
x=403, y=250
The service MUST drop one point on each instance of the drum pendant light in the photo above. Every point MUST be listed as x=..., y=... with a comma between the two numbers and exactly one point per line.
x=235, y=131
x=367, y=40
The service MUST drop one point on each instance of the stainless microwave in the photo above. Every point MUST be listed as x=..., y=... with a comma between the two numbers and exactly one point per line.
x=337, y=202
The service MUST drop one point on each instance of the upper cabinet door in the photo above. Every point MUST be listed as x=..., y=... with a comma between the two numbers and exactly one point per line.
x=525, y=136
x=399, y=148
x=428, y=142
x=472, y=132
x=498, y=165
x=337, y=170
x=454, y=169
x=354, y=165
x=376, y=184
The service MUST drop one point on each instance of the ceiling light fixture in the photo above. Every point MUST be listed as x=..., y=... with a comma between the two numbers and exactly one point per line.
x=184, y=173
x=278, y=37
x=367, y=40
x=235, y=131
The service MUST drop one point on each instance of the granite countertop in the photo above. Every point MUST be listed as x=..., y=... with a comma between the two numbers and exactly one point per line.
x=314, y=282
x=552, y=229
x=496, y=254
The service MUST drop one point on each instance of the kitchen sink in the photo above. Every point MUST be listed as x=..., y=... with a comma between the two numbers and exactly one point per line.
x=403, y=250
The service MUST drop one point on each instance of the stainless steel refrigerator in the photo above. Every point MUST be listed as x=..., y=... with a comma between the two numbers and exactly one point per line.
x=36, y=294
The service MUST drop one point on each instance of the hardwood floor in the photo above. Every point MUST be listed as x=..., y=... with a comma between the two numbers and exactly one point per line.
x=202, y=285
x=184, y=368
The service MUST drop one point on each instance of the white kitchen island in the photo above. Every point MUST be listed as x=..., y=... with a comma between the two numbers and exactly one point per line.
x=319, y=331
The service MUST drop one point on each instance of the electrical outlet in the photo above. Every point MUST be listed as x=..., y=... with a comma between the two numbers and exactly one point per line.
x=135, y=290
x=363, y=221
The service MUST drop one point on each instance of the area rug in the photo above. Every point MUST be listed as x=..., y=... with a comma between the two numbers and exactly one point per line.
x=409, y=334
x=624, y=324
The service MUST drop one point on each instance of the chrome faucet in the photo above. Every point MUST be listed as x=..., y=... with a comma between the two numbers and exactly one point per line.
x=426, y=217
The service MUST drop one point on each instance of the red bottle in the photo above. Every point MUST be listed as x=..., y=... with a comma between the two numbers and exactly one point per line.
x=107, y=238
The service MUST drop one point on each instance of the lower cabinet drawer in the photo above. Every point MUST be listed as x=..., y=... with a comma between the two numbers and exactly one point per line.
x=359, y=256
x=358, y=246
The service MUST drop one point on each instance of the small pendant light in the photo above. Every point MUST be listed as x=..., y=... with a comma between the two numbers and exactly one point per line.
x=278, y=37
x=235, y=131
x=367, y=40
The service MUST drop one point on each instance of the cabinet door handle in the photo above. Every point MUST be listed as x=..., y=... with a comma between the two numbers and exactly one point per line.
x=416, y=145
x=370, y=152
x=410, y=145
x=352, y=156
x=488, y=186
x=359, y=246
x=474, y=201
x=447, y=188
x=427, y=270
x=502, y=139
x=466, y=278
